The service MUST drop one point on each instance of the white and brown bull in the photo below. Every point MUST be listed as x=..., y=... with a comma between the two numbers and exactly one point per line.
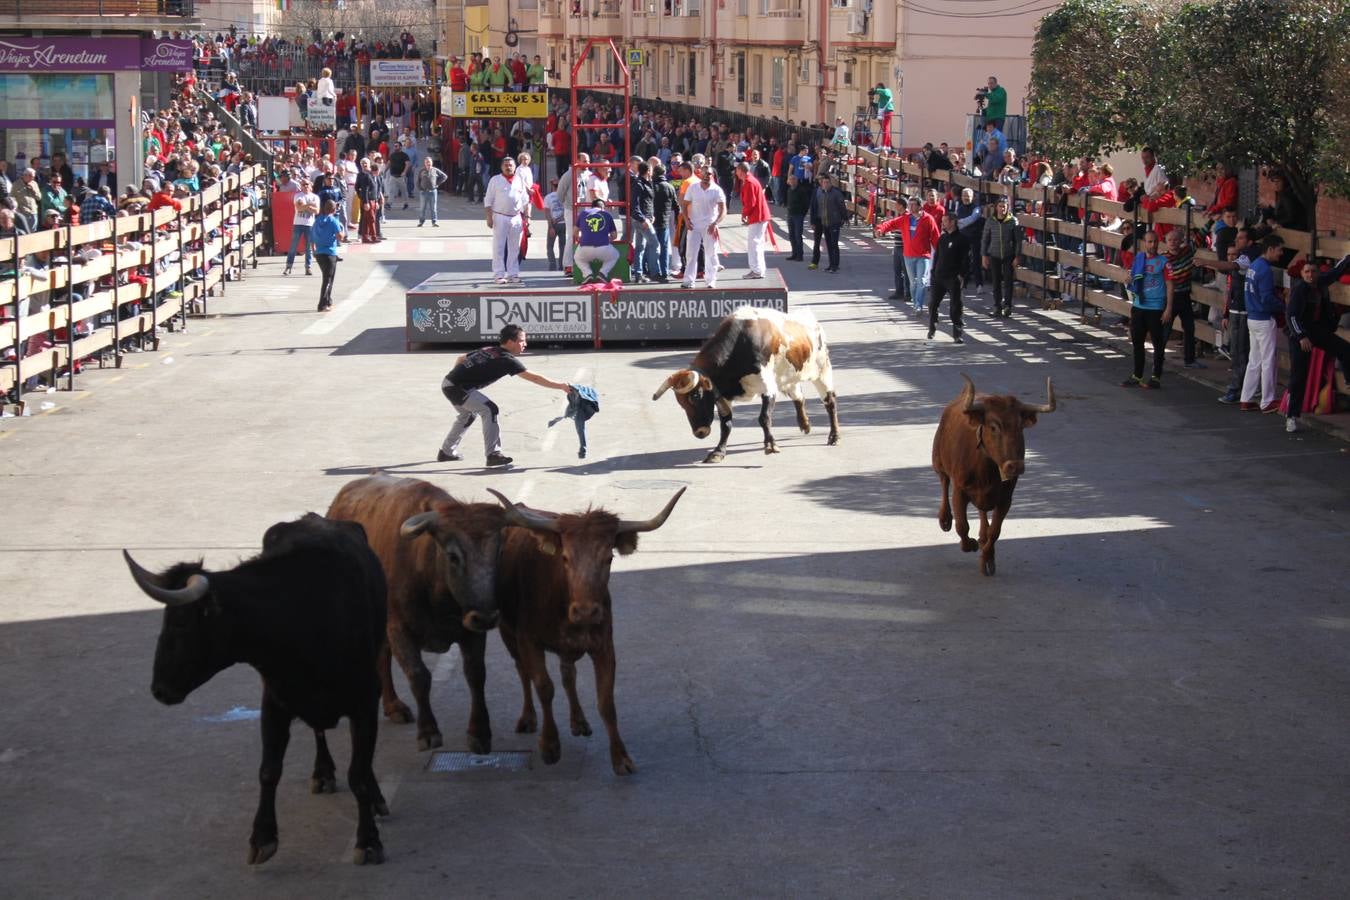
x=755, y=352
x=978, y=453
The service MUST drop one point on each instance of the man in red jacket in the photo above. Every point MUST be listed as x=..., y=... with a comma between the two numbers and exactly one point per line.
x=918, y=236
x=755, y=214
x=562, y=149
x=459, y=79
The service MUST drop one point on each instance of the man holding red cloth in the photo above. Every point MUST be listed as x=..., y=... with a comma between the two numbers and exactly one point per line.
x=755, y=214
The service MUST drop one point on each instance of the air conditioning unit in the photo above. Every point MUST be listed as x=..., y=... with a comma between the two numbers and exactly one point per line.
x=857, y=23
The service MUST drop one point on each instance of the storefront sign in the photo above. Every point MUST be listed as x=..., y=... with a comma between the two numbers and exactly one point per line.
x=107, y=54
x=397, y=73
x=642, y=315
x=490, y=105
x=466, y=318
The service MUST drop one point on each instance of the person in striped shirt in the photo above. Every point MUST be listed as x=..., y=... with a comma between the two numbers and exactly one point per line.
x=1179, y=274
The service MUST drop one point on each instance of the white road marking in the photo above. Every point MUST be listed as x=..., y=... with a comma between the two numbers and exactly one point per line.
x=375, y=282
x=431, y=248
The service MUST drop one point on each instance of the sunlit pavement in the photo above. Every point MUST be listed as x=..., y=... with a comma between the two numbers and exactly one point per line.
x=821, y=692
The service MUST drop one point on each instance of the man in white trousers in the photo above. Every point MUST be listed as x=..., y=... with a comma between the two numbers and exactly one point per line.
x=755, y=216
x=704, y=206
x=571, y=203
x=506, y=202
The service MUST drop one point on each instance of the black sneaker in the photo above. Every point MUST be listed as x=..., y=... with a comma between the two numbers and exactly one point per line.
x=1132, y=382
x=1154, y=383
x=931, y=332
x=956, y=339
x=496, y=460
x=442, y=456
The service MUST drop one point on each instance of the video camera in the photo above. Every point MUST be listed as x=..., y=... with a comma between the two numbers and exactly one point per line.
x=981, y=98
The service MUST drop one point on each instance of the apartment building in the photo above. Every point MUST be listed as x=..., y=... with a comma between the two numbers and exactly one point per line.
x=247, y=16
x=800, y=60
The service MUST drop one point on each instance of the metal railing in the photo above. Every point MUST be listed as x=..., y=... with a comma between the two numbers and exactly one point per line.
x=35, y=9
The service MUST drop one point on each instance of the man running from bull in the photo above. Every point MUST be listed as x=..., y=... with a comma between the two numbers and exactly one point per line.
x=462, y=387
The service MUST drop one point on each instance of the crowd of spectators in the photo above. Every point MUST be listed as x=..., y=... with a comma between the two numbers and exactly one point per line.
x=186, y=152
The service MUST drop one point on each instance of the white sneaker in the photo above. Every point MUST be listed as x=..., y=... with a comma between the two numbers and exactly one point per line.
x=515, y=279
x=500, y=279
x=686, y=284
x=1291, y=424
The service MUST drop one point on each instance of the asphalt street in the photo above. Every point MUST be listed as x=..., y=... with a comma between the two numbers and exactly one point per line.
x=822, y=694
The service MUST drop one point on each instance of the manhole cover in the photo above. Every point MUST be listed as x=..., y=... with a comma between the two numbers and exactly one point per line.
x=459, y=761
x=650, y=484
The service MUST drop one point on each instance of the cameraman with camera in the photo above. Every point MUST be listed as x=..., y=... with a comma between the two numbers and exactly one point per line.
x=882, y=101
x=992, y=103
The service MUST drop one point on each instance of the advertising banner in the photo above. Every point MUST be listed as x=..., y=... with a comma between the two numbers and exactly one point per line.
x=104, y=54
x=470, y=319
x=397, y=73
x=638, y=315
x=488, y=105
x=321, y=116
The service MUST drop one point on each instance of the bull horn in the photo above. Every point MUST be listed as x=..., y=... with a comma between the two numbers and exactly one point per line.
x=627, y=527
x=690, y=383
x=195, y=589
x=415, y=525
x=972, y=405
x=524, y=517
x=1049, y=405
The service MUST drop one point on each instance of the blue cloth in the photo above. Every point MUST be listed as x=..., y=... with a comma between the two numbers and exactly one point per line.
x=582, y=404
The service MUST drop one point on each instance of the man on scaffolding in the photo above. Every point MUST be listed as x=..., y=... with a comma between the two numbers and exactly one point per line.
x=885, y=107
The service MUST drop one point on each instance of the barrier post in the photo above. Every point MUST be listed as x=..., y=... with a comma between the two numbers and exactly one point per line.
x=18, y=330
x=1045, y=244
x=1082, y=294
x=201, y=242
x=116, y=307
x=154, y=285
x=70, y=308
x=182, y=276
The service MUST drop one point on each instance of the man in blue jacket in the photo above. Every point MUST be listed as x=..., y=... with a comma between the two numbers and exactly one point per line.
x=1264, y=309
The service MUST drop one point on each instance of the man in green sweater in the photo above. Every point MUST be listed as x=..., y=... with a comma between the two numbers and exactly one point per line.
x=885, y=111
x=997, y=99
x=535, y=75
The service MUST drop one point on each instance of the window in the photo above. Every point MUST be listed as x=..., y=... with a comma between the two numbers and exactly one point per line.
x=839, y=4
x=757, y=78
x=742, y=7
x=777, y=78
x=667, y=71
x=33, y=98
x=848, y=73
x=693, y=74
x=738, y=62
x=692, y=7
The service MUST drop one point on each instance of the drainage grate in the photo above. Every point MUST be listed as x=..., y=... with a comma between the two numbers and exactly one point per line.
x=459, y=761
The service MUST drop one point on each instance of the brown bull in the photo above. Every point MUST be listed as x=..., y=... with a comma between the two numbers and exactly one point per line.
x=440, y=559
x=553, y=590
x=979, y=453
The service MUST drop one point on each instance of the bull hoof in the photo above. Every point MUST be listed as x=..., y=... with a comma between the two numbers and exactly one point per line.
x=581, y=728
x=481, y=745
x=526, y=725
x=834, y=439
x=623, y=765
x=550, y=754
x=968, y=545
x=259, y=854
x=986, y=567
x=398, y=712
x=945, y=521
x=322, y=784
x=428, y=741
x=805, y=427
x=368, y=856
x=714, y=457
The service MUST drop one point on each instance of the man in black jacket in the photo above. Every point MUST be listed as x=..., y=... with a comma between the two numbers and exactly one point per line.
x=665, y=205
x=642, y=192
x=1312, y=323
x=950, y=260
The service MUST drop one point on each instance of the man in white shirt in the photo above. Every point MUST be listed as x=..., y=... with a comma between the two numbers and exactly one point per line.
x=1155, y=176
x=557, y=226
x=570, y=206
x=506, y=203
x=306, y=208
x=705, y=204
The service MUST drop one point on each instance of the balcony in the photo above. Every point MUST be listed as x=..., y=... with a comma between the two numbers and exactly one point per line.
x=686, y=26
x=551, y=14
x=176, y=14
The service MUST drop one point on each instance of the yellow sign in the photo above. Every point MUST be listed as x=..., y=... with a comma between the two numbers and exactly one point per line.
x=637, y=57
x=492, y=105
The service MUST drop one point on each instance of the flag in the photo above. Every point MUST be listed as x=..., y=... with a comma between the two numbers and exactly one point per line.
x=283, y=5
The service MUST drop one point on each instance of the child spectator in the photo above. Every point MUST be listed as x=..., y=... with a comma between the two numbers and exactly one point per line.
x=1148, y=309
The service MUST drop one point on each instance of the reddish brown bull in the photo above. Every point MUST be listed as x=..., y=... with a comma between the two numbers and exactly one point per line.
x=978, y=451
x=440, y=558
x=553, y=590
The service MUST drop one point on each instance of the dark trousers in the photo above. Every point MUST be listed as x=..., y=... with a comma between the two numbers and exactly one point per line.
x=940, y=286
x=1001, y=273
x=901, y=275
x=1239, y=348
x=832, y=244
x=1328, y=342
x=817, y=232
x=1147, y=322
x=976, y=266
x=328, y=269
x=796, y=227
x=1183, y=309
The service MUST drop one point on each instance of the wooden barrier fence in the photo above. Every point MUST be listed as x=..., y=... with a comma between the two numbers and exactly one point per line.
x=888, y=174
x=177, y=275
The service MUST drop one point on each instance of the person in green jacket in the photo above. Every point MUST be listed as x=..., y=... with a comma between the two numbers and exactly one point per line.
x=478, y=77
x=997, y=99
x=498, y=76
x=53, y=197
x=881, y=95
x=535, y=75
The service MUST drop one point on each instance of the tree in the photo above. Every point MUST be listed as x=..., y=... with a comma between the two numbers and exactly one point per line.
x=1242, y=82
x=373, y=20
